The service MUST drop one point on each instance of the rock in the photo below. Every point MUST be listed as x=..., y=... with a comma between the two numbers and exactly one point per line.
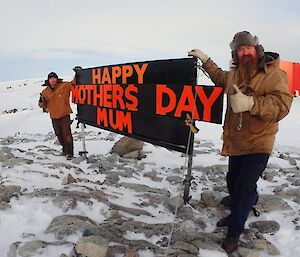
x=288, y=170
x=31, y=248
x=132, y=155
x=113, y=215
x=211, y=198
x=200, y=223
x=273, y=166
x=292, y=193
x=4, y=206
x=186, y=212
x=265, y=226
x=7, y=192
x=102, y=165
x=151, y=174
x=280, y=188
x=245, y=252
x=175, y=201
x=145, y=188
x=5, y=154
x=65, y=225
x=132, y=211
x=110, y=137
x=293, y=162
x=127, y=145
x=296, y=182
x=92, y=246
x=265, y=245
x=12, y=250
x=174, y=179
x=78, y=160
x=268, y=176
x=269, y=203
x=7, y=141
x=111, y=179
x=201, y=240
x=16, y=161
x=68, y=180
x=185, y=247
x=132, y=253
x=64, y=202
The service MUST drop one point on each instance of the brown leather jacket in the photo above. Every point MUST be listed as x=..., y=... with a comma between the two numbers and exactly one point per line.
x=272, y=101
x=57, y=100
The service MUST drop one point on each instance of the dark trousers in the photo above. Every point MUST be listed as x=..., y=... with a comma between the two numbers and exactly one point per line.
x=244, y=172
x=62, y=129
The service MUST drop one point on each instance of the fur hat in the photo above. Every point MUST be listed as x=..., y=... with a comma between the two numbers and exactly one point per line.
x=245, y=38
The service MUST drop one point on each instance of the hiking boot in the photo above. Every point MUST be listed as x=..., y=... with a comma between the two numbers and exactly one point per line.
x=224, y=222
x=230, y=244
x=69, y=157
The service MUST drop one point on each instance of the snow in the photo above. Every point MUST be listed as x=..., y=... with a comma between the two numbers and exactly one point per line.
x=34, y=215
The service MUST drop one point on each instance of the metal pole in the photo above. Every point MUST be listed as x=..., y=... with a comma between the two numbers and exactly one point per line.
x=188, y=177
x=84, y=151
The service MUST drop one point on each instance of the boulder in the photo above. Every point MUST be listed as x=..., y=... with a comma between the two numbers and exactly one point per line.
x=265, y=226
x=92, y=246
x=211, y=198
x=127, y=145
x=5, y=154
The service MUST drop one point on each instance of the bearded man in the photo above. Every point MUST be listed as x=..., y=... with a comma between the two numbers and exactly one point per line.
x=257, y=99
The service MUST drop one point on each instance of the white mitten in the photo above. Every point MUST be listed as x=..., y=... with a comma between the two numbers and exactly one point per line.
x=240, y=102
x=199, y=54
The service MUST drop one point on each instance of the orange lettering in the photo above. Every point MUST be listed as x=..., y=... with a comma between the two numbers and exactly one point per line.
x=98, y=97
x=208, y=102
x=107, y=96
x=117, y=101
x=74, y=94
x=140, y=72
x=89, y=89
x=132, y=98
x=115, y=73
x=102, y=117
x=162, y=90
x=105, y=76
x=96, y=76
x=125, y=121
x=127, y=72
x=187, y=96
x=81, y=95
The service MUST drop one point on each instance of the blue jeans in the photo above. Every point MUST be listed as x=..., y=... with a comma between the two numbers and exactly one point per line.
x=244, y=172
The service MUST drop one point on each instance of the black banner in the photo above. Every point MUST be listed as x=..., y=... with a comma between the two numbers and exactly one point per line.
x=146, y=100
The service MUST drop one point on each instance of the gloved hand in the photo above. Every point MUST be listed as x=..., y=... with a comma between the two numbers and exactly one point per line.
x=199, y=54
x=240, y=102
x=77, y=68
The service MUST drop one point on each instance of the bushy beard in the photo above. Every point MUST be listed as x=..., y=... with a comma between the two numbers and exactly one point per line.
x=247, y=67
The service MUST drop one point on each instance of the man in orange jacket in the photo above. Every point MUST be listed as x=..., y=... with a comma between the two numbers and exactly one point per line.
x=56, y=98
x=257, y=99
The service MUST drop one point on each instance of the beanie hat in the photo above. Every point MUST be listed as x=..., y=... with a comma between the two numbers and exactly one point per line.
x=244, y=38
x=52, y=75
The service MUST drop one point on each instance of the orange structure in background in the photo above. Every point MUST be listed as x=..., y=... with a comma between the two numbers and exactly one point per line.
x=293, y=72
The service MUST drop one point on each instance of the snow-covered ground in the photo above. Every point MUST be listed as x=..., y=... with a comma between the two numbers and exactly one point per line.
x=28, y=218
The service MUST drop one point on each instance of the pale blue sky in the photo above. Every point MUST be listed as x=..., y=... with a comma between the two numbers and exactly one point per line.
x=38, y=36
